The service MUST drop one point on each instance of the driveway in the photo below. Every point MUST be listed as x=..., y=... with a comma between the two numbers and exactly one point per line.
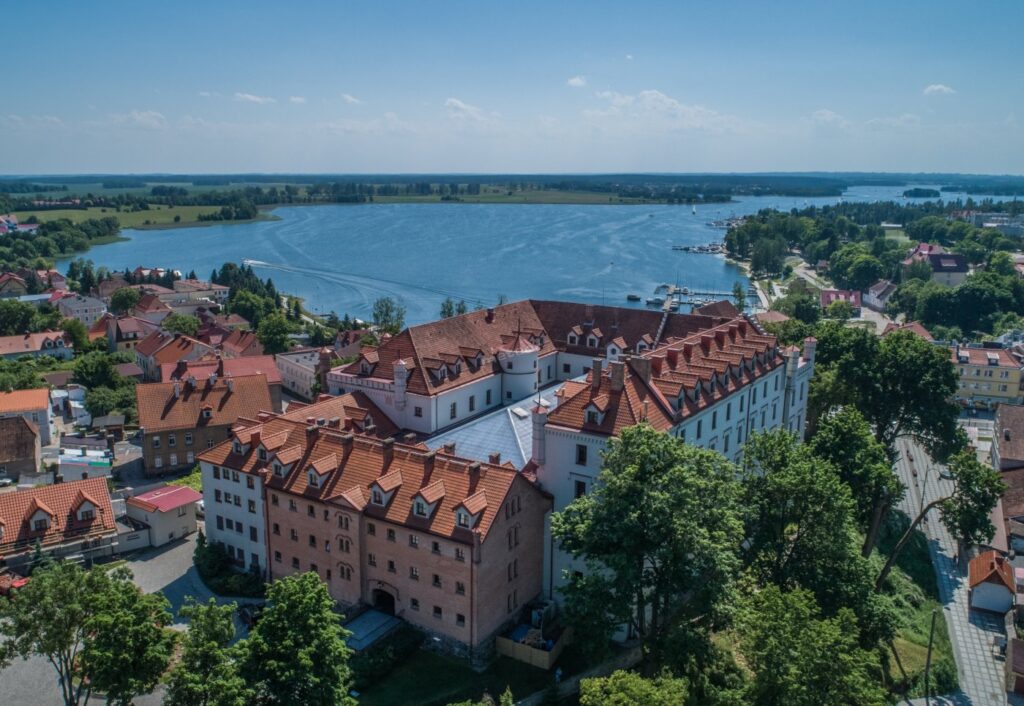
x=974, y=635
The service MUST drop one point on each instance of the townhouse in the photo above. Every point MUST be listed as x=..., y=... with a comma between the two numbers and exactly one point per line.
x=228, y=367
x=124, y=333
x=55, y=344
x=449, y=544
x=180, y=419
x=83, y=308
x=198, y=290
x=303, y=370
x=34, y=406
x=161, y=347
x=988, y=376
x=20, y=450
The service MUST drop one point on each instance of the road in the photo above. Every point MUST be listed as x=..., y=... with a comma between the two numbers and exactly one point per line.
x=975, y=636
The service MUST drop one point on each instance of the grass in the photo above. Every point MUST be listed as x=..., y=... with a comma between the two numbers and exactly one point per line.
x=193, y=480
x=429, y=679
x=156, y=217
x=898, y=235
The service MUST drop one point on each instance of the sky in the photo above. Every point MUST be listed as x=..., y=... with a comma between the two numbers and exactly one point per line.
x=524, y=87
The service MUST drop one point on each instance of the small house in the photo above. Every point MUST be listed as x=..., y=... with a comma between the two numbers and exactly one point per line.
x=169, y=512
x=992, y=585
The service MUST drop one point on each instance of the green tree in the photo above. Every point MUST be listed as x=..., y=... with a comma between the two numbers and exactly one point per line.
x=658, y=532
x=447, y=308
x=88, y=625
x=801, y=659
x=388, y=315
x=96, y=369
x=461, y=308
x=250, y=306
x=15, y=317
x=77, y=332
x=918, y=269
x=739, y=296
x=297, y=651
x=180, y=323
x=840, y=310
x=844, y=439
x=207, y=674
x=273, y=333
x=623, y=688
x=1002, y=264
x=965, y=512
x=124, y=300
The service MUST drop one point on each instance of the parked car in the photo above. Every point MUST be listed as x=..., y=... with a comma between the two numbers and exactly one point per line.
x=200, y=508
x=6, y=482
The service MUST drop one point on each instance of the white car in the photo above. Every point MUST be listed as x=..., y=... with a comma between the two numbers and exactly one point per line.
x=6, y=482
x=200, y=508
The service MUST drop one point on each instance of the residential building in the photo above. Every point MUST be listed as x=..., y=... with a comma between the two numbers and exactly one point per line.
x=233, y=486
x=51, y=279
x=451, y=545
x=55, y=344
x=106, y=288
x=1008, y=438
x=228, y=367
x=948, y=268
x=198, y=290
x=914, y=327
x=151, y=308
x=65, y=519
x=33, y=405
x=991, y=583
x=86, y=309
x=347, y=343
x=988, y=376
x=828, y=296
x=301, y=370
x=181, y=419
x=168, y=512
x=124, y=333
x=878, y=295
x=20, y=450
x=11, y=285
x=439, y=375
x=239, y=343
x=161, y=347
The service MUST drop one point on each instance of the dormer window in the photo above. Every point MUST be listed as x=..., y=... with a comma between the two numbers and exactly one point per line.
x=43, y=523
x=207, y=413
x=593, y=417
x=314, y=479
x=236, y=447
x=378, y=497
x=572, y=339
x=462, y=518
x=278, y=469
x=262, y=453
x=591, y=342
x=641, y=346
x=86, y=514
x=365, y=368
x=420, y=507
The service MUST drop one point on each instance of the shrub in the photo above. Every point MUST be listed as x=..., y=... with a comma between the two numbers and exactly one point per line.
x=215, y=568
x=376, y=661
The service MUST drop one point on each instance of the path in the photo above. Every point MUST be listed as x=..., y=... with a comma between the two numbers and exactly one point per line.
x=974, y=634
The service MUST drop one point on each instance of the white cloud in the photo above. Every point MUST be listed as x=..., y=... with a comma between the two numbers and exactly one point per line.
x=629, y=57
x=297, y=99
x=577, y=81
x=145, y=119
x=46, y=122
x=652, y=110
x=350, y=99
x=250, y=98
x=824, y=117
x=907, y=121
x=389, y=123
x=938, y=88
x=458, y=110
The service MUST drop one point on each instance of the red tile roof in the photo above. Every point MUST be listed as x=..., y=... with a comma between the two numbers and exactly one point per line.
x=203, y=368
x=170, y=497
x=164, y=347
x=228, y=399
x=61, y=502
x=31, y=342
x=24, y=400
x=241, y=342
x=913, y=326
x=991, y=567
x=834, y=295
x=996, y=357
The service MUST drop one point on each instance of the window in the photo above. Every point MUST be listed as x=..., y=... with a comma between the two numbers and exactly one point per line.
x=174, y=459
x=209, y=443
x=295, y=562
x=566, y=368
x=391, y=566
x=414, y=603
x=371, y=559
x=252, y=506
x=460, y=554
x=40, y=524
x=371, y=529
x=220, y=522
x=420, y=508
x=417, y=411
x=294, y=533
x=190, y=457
x=327, y=545
x=592, y=417
x=741, y=404
x=453, y=410
x=252, y=534
x=776, y=383
x=250, y=482
x=437, y=612
x=312, y=541
x=460, y=619
x=292, y=506
x=378, y=497
x=277, y=557
x=262, y=454
x=216, y=496
x=487, y=397
x=462, y=518
x=437, y=581
x=714, y=420
x=414, y=541
x=156, y=442
x=391, y=535
x=343, y=522
x=273, y=499
x=581, y=454
x=472, y=403
x=700, y=425
x=572, y=339
x=435, y=547
x=311, y=511
x=277, y=529
x=216, y=472
x=414, y=573
x=460, y=588
x=188, y=438
x=725, y=443
x=728, y=411
x=238, y=500
x=172, y=440
x=579, y=489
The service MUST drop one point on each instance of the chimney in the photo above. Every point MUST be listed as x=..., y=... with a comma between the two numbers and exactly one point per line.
x=321, y=422
x=334, y=422
x=311, y=432
x=254, y=439
x=494, y=458
x=212, y=380
x=85, y=475
x=190, y=382
x=428, y=461
x=1006, y=434
x=642, y=367
x=540, y=418
x=490, y=315
x=177, y=389
x=409, y=438
x=656, y=365
x=180, y=368
x=388, y=448
x=220, y=364
x=672, y=354
x=449, y=448
x=596, y=368
x=231, y=385
x=263, y=416
x=310, y=421
x=618, y=375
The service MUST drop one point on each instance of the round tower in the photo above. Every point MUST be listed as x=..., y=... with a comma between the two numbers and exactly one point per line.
x=518, y=361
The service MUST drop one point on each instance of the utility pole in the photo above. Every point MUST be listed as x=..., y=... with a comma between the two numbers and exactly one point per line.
x=928, y=662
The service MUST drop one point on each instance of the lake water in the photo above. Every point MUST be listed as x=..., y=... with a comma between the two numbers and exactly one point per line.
x=343, y=257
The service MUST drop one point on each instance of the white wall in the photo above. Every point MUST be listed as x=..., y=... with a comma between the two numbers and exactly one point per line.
x=991, y=596
x=239, y=513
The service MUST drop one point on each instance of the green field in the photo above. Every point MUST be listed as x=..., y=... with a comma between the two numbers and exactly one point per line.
x=898, y=235
x=156, y=217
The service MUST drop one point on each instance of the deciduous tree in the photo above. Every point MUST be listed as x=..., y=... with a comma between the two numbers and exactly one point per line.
x=207, y=674
x=624, y=688
x=124, y=300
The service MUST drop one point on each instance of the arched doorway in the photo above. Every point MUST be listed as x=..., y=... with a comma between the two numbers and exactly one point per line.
x=383, y=601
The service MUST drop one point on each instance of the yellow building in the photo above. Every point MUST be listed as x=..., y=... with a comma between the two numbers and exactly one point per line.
x=988, y=376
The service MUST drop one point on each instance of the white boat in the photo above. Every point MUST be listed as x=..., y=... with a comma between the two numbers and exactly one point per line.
x=695, y=210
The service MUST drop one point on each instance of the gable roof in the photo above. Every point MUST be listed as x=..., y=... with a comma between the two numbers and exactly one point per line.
x=206, y=366
x=914, y=327
x=165, y=347
x=169, y=497
x=991, y=567
x=60, y=501
x=18, y=439
x=833, y=295
x=241, y=342
x=1008, y=436
x=228, y=399
x=31, y=342
x=24, y=400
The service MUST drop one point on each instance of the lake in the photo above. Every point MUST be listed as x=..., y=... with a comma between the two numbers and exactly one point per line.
x=343, y=257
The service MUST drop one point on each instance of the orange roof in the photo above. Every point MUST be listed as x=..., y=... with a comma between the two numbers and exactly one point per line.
x=228, y=399
x=24, y=400
x=241, y=342
x=913, y=326
x=360, y=462
x=31, y=342
x=163, y=347
x=991, y=567
x=204, y=367
x=981, y=356
x=60, y=502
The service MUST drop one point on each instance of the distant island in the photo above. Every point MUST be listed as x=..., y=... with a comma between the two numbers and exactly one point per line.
x=920, y=193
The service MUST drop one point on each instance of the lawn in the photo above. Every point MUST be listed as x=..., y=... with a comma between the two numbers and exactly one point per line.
x=429, y=679
x=156, y=217
x=898, y=235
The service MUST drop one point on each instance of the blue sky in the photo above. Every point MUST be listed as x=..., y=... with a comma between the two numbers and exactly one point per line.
x=512, y=87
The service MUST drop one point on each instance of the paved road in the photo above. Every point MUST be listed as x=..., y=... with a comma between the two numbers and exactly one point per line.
x=974, y=635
